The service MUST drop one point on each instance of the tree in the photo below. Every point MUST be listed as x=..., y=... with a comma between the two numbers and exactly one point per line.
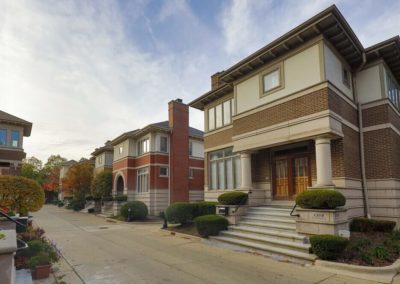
x=102, y=184
x=54, y=161
x=78, y=179
x=32, y=168
x=20, y=194
x=51, y=175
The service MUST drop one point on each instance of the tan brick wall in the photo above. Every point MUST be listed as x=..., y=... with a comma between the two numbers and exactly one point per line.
x=352, y=162
x=219, y=138
x=261, y=166
x=375, y=115
x=343, y=108
x=337, y=156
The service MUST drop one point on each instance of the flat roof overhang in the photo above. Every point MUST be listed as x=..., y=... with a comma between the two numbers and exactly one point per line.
x=330, y=23
x=389, y=50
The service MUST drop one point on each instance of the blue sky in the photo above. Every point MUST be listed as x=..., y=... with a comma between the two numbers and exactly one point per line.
x=85, y=71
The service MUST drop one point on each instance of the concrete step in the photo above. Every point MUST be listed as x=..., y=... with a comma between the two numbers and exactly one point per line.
x=277, y=215
x=277, y=226
x=285, y=235
x=267, y=240
x=270, y=220
x=270, y=208
x=268, y=248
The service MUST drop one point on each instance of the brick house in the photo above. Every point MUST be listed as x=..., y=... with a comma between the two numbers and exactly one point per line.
x=12, y=131
x=161, y=163
x=312, y=109
x=103, y=158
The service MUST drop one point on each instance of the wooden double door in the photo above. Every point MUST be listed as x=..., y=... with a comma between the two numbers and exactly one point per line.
x=291, y=176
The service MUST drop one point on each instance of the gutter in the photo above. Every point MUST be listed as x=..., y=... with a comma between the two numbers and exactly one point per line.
x=367, y=211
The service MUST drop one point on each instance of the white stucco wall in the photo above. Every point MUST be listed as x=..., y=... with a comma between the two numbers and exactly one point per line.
x=300, y=71
x=368, y=84
x=334, y=71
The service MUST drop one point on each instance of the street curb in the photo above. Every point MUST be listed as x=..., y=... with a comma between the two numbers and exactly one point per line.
x=182, y=235
x=383, y=274
x=111, y=220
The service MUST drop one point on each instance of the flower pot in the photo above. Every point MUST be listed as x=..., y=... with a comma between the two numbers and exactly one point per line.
x=41, y=271
x=20, y=261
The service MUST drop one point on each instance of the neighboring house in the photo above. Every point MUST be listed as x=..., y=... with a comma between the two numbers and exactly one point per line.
x=63, y=193
x=313, y=108
x=161, y=163
x=12, y=131
x=103, y=158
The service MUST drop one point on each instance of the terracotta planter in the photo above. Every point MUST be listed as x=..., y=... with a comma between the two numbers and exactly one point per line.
x=41, y=271
x=20, y=261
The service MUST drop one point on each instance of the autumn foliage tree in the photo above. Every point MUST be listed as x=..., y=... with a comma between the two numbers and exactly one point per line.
x=20, y=194
x=78, y=179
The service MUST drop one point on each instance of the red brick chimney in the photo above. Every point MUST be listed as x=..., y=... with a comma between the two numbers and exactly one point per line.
x=179, y=151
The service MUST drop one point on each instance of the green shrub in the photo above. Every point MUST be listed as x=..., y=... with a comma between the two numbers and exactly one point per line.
x=366, y=257
x=328, y=246
x=396, y=235
x=360, y=245
x=120, y=198
x=320, y=199
x=371, y=225
x=179, y=213
x=37, y=247
x=233, y=198
x=210, y=225
x=78, y=205
x=139, y=210
x=107, y=198
x=380, y=252
x=60, y=204
x=203, y=208
x=40, y=259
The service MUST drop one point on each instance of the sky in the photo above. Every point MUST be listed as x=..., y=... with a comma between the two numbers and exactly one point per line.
x=86, y=71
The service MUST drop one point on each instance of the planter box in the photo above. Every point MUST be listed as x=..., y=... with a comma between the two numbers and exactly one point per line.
x=41, y=271
x=321, y=221
x=232, y=213
x=117, y=206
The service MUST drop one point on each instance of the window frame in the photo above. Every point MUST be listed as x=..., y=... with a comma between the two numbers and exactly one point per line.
x=213, y=110
x=267, y=72
x=140, y=148
x=139, y=174
x=163, y=175
x=346, y=79
x=191, y=173
x=12, y=139
x=166, y=144
x=5, y=137
x=233, y=157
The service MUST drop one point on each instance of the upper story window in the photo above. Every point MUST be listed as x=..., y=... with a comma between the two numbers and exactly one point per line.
x=14, y=138
x=163, y=171
x=346, y=76
x=120, y=149
x=163, y=144
x=99, y=160
x=143, y=146
x=190, y=148
x=3, y=137
x=191, y=173
x=271, y=80
x=220, y=115
x=393, y=91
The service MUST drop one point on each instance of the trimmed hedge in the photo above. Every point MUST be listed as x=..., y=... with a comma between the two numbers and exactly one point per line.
x=210, y=225
x=120, y=198
x=203, y=208
x=371, y=225
x=233, y=198
x=107, y=198
x=139, y=210
x=179, y=213
x=328, y=247
x=320, y=199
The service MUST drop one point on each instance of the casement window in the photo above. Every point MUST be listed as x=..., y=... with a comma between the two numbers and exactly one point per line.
x=143, y=146
x=191, y=173
x=190, y=148
x=14, y=138
x=163, y=171
x=143, y=180
x=220, y=115
x=224, y=169
x=346, y=76
x=120, y=149
x=393, y=91
x=271, y=80
x=163, y=144
x=3, y=137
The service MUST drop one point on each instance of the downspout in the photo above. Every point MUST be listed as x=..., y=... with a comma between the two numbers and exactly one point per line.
x=367, y=212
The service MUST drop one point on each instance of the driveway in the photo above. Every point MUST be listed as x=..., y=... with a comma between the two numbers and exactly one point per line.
x=102, y=252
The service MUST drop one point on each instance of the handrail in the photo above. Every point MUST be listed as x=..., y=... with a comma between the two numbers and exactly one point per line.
x=291, y=212
x=2, y=213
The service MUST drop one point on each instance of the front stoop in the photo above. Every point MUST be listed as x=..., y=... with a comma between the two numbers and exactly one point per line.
x=271, y=231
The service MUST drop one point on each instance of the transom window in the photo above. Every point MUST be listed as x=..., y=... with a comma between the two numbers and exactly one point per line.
x=220, y=115
x=3, y=137
x=143, y=180
x=143, y=146
x=224, y=169
x=163, y=144
x=271, y=80
x=14, y=138
x=163, y=171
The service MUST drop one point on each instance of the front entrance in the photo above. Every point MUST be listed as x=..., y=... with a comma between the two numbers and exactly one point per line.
x=291, y=175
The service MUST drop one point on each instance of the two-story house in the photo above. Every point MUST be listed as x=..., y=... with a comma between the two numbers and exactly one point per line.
x=312, y=109
x=160, y=163
x=103, y=158
x=12, y=131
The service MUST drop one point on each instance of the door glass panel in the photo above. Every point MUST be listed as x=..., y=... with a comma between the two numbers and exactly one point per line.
x=300, y=169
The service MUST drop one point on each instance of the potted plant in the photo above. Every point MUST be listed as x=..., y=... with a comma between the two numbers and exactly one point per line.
x=40, y=265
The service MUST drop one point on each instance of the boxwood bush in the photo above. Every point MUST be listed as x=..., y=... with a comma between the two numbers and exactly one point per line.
x=210, y=225
x=371, y=225
x=179, y=213
x=320, y=199
x=203, y=208
x=328, y=247
x=120, y=198
x=233, y=198
x=139, y=210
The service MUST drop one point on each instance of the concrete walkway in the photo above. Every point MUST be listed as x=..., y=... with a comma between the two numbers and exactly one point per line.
x=97, y=251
